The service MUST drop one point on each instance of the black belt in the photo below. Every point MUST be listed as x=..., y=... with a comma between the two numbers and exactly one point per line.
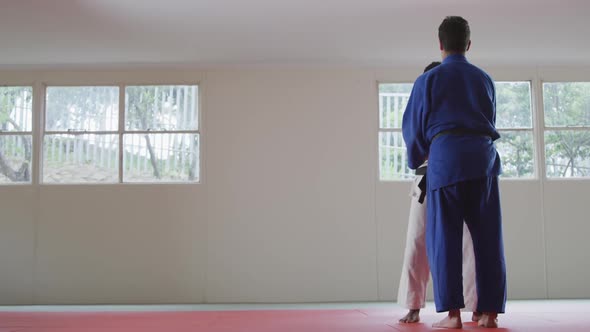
x=421, y=170
x=422, y=184
x=461, y=132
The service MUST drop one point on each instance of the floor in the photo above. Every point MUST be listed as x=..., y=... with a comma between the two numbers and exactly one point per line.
x=533, y=316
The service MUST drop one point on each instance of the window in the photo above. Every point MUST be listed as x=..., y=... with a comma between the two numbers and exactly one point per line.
x=87, y=139
x=16, y=149
x=514, y=122
x=567, y=129
x=161, y=139
x=393, y=164
x=81, y=135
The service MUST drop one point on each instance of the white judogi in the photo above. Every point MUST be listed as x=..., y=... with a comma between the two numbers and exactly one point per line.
x=415, y=270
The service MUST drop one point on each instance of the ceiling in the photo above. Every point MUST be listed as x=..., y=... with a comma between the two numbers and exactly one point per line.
x=324, y=32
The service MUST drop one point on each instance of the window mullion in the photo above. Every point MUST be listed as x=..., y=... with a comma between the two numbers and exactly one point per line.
x=514, y=129
x=16, y=133
x=538, y=129
x=162, y=132
x=81, y=132
x=38, y=126
x=121, y=129
x=390, y=130
x=580, y=128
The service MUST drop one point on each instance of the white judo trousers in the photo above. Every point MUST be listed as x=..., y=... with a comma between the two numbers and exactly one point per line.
x=415, y=270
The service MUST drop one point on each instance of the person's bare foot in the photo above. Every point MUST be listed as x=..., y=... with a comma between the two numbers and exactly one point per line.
x=413, y=316
x=476, y=316
x=488, y=320
x=452, y=321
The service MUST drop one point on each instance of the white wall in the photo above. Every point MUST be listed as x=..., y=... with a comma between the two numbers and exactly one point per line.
x=289, y=209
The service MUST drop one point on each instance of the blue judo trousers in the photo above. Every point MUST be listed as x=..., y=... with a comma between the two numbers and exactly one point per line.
x=474, y=202
x=450, y=120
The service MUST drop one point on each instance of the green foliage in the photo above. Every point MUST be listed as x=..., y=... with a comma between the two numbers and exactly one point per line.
x=566, y=104
x=567, y=153
x=161, y=108
x=15, y=116
x=10, y=98
x=516, y=152
x=513, y=110
x=140, y=103
x=513, y=105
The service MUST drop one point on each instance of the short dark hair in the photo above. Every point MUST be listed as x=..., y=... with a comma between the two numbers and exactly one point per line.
x=432, y=65
x=454, y=34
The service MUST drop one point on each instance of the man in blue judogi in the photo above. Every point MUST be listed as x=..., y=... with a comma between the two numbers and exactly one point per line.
x=450, y=121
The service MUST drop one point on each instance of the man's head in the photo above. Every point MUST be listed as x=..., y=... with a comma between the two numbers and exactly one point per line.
x=454, y=35
x=432, y=65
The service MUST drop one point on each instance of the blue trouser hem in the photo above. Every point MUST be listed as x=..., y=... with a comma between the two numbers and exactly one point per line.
x=491, y=309
x=445, y=308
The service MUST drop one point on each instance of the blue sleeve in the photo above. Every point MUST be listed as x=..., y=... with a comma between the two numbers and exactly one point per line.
x=413, y=125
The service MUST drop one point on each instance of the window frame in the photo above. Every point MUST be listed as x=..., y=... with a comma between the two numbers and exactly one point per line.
x=123, y=131
x=381, y=130
x=44, y=132
x=120, y=132
x=532, y=129
x=30, y=134
x=544, y=128
x=38, y=79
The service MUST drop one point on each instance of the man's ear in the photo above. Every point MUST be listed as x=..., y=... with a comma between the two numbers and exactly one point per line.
x=440, y=45
x=468, y=46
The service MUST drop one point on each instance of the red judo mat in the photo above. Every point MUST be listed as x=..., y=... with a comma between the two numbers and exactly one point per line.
x=350, y=320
